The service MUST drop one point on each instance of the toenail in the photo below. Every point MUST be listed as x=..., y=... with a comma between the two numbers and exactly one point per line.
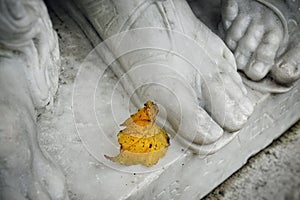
x=285, y=73
x=288, y=68
x=241, y=61
x=257, y=71
x=259, y=68
x=231, y=44
x=235, y=121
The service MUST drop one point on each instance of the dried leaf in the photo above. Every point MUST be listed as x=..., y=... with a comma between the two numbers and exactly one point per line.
x=142, y=141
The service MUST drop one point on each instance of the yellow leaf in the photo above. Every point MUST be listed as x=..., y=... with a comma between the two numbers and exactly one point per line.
x=142, y=141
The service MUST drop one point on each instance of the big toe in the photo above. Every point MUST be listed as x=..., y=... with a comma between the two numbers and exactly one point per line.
x=227, y=103
x=196, y=125
x=238, y=114
x=208, y=131
x=287, y=69
x=237, y=109
x=286, y=72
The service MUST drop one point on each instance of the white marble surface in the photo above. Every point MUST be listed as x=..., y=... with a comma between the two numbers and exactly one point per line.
x=191, y=176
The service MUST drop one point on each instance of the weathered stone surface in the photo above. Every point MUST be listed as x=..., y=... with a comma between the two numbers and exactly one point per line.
x=191, y=176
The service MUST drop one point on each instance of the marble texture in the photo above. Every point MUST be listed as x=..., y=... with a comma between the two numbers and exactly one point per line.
x=29, y=65
x=81, y=125
x=191, y=176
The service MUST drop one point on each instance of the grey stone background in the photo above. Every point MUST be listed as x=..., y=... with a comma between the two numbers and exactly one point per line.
x=274, y=173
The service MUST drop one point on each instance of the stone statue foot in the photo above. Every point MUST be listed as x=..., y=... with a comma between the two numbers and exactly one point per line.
x=220, y=100
x=258, y=36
